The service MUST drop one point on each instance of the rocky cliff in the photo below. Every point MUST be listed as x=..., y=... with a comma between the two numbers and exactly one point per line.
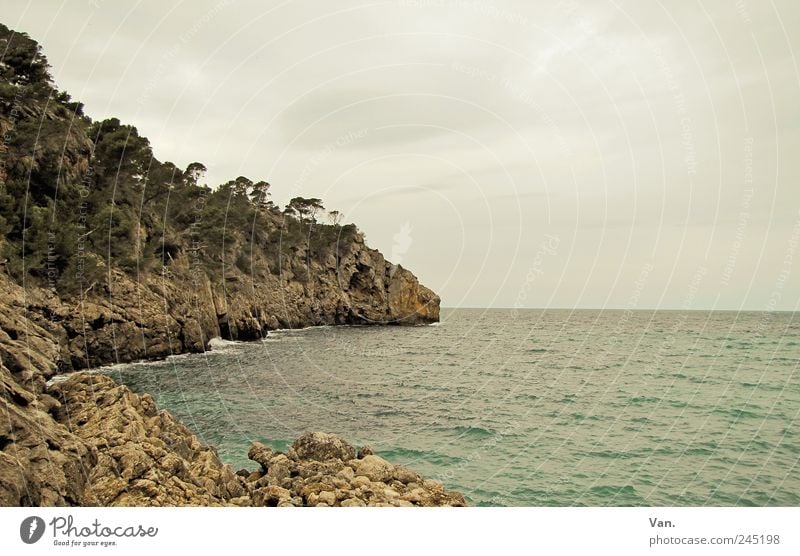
x=109, y=255
x=86, y=440
x=123, y=319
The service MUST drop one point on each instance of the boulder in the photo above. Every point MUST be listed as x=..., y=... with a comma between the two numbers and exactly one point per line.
x=375, y=468
x=404, y=475
x=320, y=446
x=279, y=469
x=271, y=496
x=260, y=453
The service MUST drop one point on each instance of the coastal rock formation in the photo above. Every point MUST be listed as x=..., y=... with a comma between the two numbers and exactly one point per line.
x=109, y=255
x=41, y=462
x=105, y=445
x=319, y=446
x=126, y=320
x=144, y=457
x=321, y=470
x=87, y=440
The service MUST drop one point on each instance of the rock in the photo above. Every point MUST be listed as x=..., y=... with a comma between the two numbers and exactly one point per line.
x=416, y=495
x=346, y=473
x=87, y=440
x=260, y=453
x=365, y=451
x=375, y=468
x=279, y=469
x=353, y=503
x=320, y=446
x=390, y=493
x=270, y=496
x=404, y=475
x=144, y=457
x=309, y=469
x=432, y=484
x=327, y=497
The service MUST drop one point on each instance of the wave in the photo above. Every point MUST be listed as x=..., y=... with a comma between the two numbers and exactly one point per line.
x=622, y=494
x=582, y=417
x=640, y=400
x=738, y=413
x=399, y=454
x=218, y=343
x=477, y=432
x=62, y=377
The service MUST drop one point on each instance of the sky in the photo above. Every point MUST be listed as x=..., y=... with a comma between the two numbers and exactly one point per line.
x=572, y=154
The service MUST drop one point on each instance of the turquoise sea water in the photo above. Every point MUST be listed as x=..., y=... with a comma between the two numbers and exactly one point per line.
x=525, y=407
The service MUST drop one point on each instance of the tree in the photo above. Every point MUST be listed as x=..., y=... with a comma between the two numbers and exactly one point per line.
x=335, y=217
x=307, y=209
x=259, y=195
x=22, y=60
x=194, y=173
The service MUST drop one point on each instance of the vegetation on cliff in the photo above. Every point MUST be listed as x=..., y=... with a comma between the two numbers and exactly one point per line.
x=78, y=196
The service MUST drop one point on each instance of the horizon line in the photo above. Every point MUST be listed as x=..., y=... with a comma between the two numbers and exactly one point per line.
x=639, y=309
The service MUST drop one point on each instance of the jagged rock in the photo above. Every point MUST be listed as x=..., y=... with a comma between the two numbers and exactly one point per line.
x=41, y=462
x=144, y=457
x=327, y=497
x=365, y=451
x=87, y=440
x=260, y=453
x=271, y=496
x=375, y=468
x=404, y=475
x=320, y=446
x=279, y=469
x=346, y=473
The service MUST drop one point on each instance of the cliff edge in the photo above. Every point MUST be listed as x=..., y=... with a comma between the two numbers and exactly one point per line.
x=109, y=255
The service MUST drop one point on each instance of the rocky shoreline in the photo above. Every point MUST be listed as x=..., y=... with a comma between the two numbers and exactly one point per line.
x=144, y=457
x=86, y=440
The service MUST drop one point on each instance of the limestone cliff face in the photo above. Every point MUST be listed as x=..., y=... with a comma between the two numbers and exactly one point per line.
x=86, y=440
x=180, y=310
x=41, y=462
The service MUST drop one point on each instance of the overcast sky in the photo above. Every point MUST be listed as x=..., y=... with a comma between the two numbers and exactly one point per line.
x=632, y=154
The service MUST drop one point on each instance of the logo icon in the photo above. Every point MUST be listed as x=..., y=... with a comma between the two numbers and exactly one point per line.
x=31, y=529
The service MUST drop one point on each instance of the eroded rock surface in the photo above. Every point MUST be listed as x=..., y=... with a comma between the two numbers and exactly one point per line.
x=144, y=457
x=87, y=440
x=320, y=469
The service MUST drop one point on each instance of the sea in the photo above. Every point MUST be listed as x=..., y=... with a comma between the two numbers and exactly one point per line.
x=521, y=407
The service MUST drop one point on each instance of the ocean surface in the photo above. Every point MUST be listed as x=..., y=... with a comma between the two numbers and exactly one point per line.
x=528, y=407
